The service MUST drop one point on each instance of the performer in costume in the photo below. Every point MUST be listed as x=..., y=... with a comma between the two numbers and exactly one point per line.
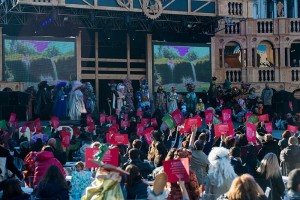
x=172, y=100
x=143, y=98
x=191, y=98
x=119, y=98
x=41, y=108
x=89, y=97
x=160, y=100
x=129, y=94
x=60, y=104
x=76, y=101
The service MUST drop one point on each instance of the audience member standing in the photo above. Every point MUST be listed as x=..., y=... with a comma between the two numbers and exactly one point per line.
x=266, y=97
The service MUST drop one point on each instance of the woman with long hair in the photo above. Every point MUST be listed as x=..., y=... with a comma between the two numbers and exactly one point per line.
x=12, y=190
x=135, y=187
x=269, y=175
x=244, y=188
x=53, y=185
x=157, y=150
x=220, y=174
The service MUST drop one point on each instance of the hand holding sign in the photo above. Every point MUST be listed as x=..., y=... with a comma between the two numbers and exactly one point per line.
x=177, y=170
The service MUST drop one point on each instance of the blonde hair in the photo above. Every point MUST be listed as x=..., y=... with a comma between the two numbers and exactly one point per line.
x=243, y=187
x=270, y=166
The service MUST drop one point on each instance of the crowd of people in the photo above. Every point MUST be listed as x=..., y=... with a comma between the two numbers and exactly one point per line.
x=219, y=166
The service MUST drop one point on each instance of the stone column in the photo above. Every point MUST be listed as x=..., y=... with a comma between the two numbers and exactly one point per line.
x=288, y=57
x=275, y=8
x=255, y=57
x=295, y=8
x=223, y=58
x=285, y=8
x=276, y=58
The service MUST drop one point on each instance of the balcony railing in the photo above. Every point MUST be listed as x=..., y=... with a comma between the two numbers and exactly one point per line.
x=294, y=26
x=266, y=75
x=265, y=26
x=234, y=75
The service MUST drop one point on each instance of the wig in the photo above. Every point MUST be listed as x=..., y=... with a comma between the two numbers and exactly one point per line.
x=220, y=168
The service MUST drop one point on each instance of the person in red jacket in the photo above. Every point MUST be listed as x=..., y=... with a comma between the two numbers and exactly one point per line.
x=44, y=160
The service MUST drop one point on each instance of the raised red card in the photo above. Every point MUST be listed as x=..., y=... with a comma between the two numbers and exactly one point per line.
x=177, y=170
x=139, y=129
x=139, y=113
x=292, y=129
x=109, y=119
x=148, y=135
x=154, y=122
x=91, y=126
x=248, y=114
x=12, y=118
x=65, y=138
x=178, y=117
x=89, y=118
x=221, y=129
x=251, y=132
x=263, y=118
x=269, y=127
x=148, y=130
x=31, y=127
x=119, y=139
x=90, y=154
x=114, y=120
x=55, y=122
x=209, y=117
x=145, y=122
x=112, y=129
x=102, y=118
x=226, y=116
x=195, y=121
x=125, y=123
x=37, y=122
x=110, y=157
x=38, y=129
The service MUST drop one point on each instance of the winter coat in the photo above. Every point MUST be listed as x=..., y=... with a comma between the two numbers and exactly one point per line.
x=199, y=164
x=22, y=196
x=52, y=191
x=44, y=160
x=290, y=156
x=238, y=167
x=138, y=191
x=292, y=195
x=268, y=147
x=283, y=143
x=275, y=183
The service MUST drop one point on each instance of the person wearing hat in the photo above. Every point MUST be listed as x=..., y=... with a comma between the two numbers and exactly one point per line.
x=160, y=101
x=76, y=101
x=60, y=105
x=159, y=191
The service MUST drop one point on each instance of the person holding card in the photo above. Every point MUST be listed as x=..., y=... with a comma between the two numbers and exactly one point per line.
x=192, y=186
x=157, y=150
x=44, y=160
x=220, y=173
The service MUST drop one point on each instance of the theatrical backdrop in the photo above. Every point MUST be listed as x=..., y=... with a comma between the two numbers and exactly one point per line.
x=35, y=59
x=179, y=64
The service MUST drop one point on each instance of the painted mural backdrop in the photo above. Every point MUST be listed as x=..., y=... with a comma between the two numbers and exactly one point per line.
x=37, y=59
x=176, y=65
